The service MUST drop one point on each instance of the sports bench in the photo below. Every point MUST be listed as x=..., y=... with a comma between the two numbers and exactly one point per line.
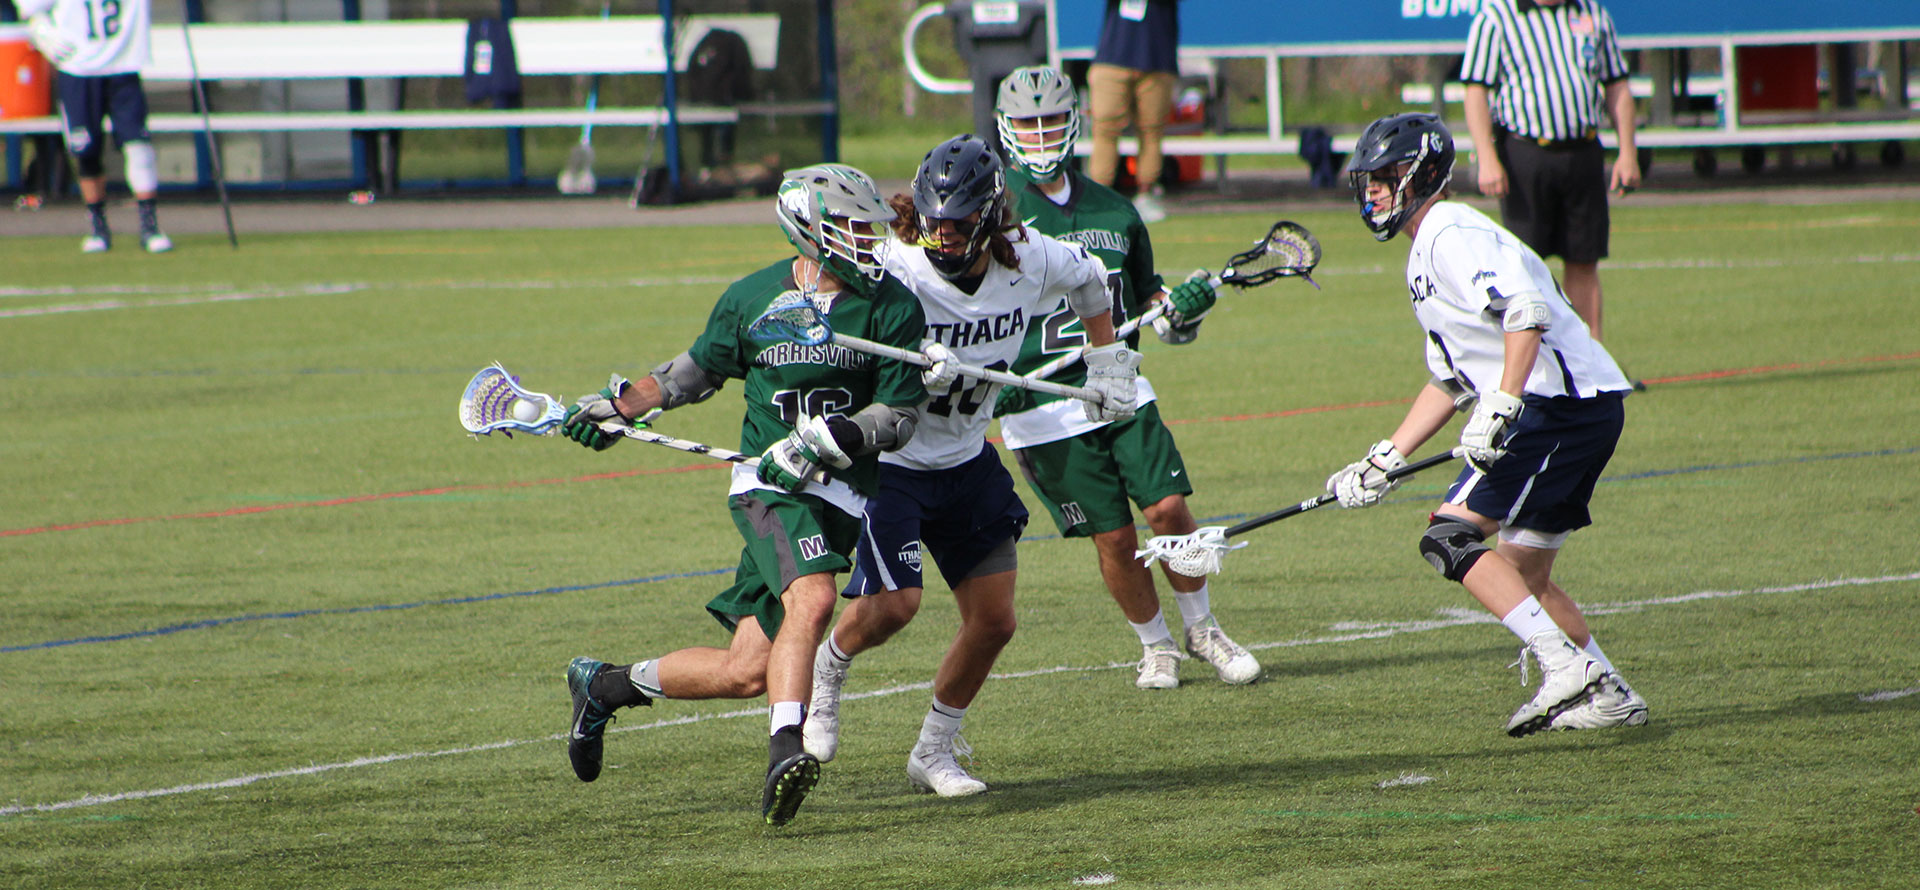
x=361, y=50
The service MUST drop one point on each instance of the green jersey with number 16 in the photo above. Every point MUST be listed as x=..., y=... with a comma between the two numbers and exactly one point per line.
x=786, y=380
x=1105, y=223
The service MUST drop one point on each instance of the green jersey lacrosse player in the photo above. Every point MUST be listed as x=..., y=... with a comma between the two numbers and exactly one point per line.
x=1086, y=471
x=809, y=409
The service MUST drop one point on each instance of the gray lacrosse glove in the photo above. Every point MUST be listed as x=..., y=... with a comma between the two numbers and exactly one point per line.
x=584, y=417
x=1111, y=372
x=1364, y=482
x=940, y=376
x=1485, y=435
x=46, y=37
x=789, y=462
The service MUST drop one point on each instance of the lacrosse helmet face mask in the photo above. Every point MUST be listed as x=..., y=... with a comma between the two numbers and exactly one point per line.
x=835, y=216
x=1419, y=141
x=1038, y=114
x=961, y=182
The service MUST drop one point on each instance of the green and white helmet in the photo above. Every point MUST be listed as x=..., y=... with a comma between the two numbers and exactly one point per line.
x=835, y=216
x=1039, y=116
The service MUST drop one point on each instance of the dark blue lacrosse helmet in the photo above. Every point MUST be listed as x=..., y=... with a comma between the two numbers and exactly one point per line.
x=959, y=178
x=1418, y=140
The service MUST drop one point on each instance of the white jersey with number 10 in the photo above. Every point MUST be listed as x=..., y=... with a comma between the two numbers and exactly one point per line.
x=983, y=329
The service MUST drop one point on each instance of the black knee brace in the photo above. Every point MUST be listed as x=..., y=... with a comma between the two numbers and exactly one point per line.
x=1453, y=546
x=90, y=165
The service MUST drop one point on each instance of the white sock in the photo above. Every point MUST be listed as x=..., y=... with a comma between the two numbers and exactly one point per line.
x=1154, y=631
x=1527, y=619
x=645, y=677
x=840, y=659
x=1593, y=649
x=787, y=713
x=942, y=716
x=1194, y=607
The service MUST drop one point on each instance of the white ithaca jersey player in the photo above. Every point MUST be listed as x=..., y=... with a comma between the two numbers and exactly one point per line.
x=983, y=329
x=107, y=36
x=1463, y=273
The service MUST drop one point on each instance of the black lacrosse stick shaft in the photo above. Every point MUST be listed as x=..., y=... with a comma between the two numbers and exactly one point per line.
x=1325, y=499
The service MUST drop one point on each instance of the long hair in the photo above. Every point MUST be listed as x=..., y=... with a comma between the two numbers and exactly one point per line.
x=906, y=227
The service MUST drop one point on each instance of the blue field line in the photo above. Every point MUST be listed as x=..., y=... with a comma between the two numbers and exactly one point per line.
x=628, y=582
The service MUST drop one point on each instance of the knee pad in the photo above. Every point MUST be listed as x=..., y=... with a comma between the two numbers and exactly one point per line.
x=1452, y=546
x=143, y=173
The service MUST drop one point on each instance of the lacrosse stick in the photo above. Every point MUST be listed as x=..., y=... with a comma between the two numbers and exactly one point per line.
x=577, y=177
x=1199, y=554
x=496, y=402
x=1288, y=251
x=795, y=319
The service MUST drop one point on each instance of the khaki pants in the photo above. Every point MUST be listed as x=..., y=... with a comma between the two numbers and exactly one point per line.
x=1121, y=96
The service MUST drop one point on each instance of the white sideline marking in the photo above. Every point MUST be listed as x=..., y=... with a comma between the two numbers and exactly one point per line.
x=1889, y=695
x=1094, y=880
x=158, y=296
x=1406, y=779
x=1370, y=631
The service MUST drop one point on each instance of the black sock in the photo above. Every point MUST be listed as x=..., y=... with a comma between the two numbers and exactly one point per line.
x=149, y=217
x=613, y=690
x=97, y=215
x=784, y=744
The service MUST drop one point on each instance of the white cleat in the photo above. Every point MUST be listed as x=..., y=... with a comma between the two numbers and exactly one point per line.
x=1209, y=643
x=156, y=242
x=1568, y=677
x=1159, y=666
x=1148, y=205
x=1616, y=704
x=932, y=766
x=820, y=732
x=94, y=244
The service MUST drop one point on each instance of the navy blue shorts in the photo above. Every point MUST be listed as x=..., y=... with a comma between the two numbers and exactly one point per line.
x=1555, y=454
x=87, y=101
x=962, y=513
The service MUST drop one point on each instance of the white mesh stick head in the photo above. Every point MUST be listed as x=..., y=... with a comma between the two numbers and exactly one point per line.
x=1196, y=555
x=494, y=400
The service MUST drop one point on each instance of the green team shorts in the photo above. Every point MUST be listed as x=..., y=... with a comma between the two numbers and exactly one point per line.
x=1076, y=477
x=787, y=536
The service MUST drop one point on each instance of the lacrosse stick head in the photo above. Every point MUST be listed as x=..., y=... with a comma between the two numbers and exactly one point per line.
x=495, y=400
x=1289, y=250
x=792, y=317
x=1196, y=555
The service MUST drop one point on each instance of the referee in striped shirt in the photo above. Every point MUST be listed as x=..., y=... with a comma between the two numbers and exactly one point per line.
x=1550, y=65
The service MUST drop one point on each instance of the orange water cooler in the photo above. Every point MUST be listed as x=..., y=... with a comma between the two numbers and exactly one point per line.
x=26, y=80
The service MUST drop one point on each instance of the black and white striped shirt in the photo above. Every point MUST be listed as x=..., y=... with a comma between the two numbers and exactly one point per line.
x=1544, y=64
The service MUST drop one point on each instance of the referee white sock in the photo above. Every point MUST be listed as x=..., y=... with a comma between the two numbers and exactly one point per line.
x=1527, y=619
x=1153, y=631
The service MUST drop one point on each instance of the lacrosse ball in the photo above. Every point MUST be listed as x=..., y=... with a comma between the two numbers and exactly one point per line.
x=527, y=410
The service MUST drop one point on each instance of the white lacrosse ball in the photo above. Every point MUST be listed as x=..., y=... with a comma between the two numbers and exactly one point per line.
x=528, y=410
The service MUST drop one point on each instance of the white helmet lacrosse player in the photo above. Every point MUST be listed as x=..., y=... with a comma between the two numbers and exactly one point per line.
x=1039, y=118
x=835, y=216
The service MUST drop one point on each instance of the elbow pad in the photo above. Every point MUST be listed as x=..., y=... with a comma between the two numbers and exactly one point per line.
x=683, y=382
x=1526, y=312
x=876, y=428
x=1091, y=298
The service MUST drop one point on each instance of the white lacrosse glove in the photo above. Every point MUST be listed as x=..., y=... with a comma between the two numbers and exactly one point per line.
x=1364, y=482
x=1485, y=437
x=1111, y=371
x=46, y=37
x=940, y=375
x=790, y=462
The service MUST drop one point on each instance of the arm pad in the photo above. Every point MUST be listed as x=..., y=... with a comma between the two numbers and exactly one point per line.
x=875, y=428
x=1526, y=312
x=683, y=382
x=1091, y=298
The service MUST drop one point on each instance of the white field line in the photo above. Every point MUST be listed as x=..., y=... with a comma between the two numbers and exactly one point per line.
x=138, y=296
x=1357, y=632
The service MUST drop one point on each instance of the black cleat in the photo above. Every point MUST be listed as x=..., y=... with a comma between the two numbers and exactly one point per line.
x=590, y=718
x=793, y=773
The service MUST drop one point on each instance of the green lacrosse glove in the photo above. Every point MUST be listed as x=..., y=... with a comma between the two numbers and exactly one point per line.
x=1191, y=300
x=584, y=417
x=790, y=462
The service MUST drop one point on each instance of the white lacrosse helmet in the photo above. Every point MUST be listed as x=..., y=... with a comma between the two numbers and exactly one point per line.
x=835, y=216
x=1038, y=113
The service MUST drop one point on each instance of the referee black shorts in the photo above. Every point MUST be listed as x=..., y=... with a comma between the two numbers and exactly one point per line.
x=1556, y=197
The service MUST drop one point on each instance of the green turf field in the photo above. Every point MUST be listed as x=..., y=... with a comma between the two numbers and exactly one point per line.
x=271, y=620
